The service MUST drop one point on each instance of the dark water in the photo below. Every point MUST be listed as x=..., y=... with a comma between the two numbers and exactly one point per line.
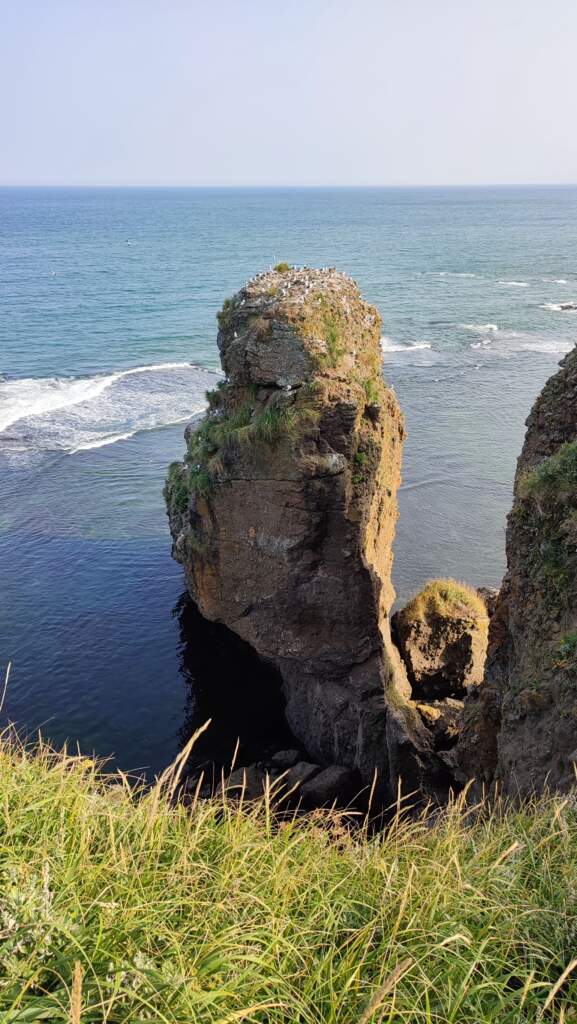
x=109, y=296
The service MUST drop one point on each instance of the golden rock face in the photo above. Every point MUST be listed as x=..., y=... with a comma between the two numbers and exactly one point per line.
x=287, y=507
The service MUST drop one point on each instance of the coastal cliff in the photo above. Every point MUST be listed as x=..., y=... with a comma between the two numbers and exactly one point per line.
x=283, y=515
x=521, y=730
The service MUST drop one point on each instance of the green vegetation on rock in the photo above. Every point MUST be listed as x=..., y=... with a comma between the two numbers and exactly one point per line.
x=282, y=268
x=548, y=510
x=120, y=907
x=555, y=477
x=447, y=598
x=223, y=316
x=221, y=429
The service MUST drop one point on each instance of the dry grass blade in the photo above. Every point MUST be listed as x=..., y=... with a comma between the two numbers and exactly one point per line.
x=513, y=848
x=6, y=678
x=386, y=987
x=558, y=984
x=76, y=995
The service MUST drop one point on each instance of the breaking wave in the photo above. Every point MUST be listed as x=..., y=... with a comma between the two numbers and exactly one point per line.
x=74, y=414
x=514, y=284
x=509, y=342
x=480, y=328
x=388, y=345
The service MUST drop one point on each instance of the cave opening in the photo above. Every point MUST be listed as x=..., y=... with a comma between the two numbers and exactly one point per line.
x=230, y=685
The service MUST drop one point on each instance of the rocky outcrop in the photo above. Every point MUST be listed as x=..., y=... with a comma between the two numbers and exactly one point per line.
x=283, y=514
x=442, y=636
x=521, y=730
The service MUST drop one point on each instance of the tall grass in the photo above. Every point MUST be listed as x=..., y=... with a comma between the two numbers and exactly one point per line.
x=117, y=905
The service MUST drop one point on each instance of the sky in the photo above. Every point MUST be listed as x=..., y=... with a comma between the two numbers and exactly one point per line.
x=288, y=92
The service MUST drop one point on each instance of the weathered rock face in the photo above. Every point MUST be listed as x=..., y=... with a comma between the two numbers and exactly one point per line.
x=442, y=636
x=522, y=729
x=283, y=515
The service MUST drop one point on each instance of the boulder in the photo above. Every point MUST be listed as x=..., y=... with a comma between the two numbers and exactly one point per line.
x=335, y=785
x=283, y=759
x=442, y=637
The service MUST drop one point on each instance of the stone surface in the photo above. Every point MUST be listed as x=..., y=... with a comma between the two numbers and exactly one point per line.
x=284, y=759
x=521, y=730
x=443, y=642
x=444, y=719
x=489, y=596
x=334, y=785
x=284, y=510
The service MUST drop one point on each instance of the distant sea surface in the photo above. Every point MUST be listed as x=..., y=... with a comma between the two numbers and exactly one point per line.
x=108, y=343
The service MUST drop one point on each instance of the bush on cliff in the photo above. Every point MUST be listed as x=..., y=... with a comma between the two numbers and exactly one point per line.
x=117, y=906
x=447, y=598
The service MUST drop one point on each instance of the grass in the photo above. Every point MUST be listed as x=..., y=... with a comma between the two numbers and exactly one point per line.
x=448, y=598
x=219, y=431
x=176, y=490
x=118, y=906
x=371, y=387
x=224, y=315
x=548, y=496
x=554, y=477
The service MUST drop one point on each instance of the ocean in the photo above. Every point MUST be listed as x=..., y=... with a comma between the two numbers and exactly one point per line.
x=107, y=345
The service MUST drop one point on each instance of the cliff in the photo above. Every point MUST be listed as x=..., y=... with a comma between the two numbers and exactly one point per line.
x=521, y=731
x=283, y=514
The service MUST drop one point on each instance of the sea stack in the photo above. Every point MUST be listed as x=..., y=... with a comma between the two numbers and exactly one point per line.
x=521, y=730
x=283, y=515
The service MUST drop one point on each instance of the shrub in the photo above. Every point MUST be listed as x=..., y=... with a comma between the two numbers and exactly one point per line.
x=224, y=315
x=448, y=598
x=215, y=398
x=176, y=488
x=282, y=268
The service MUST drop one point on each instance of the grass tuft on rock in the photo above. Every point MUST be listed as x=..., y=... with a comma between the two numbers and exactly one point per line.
x=448, y=598
x=554, y=478
x=120, y=907
x=548, y=510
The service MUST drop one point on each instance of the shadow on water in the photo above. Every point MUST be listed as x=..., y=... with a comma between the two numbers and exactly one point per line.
x=229, y=684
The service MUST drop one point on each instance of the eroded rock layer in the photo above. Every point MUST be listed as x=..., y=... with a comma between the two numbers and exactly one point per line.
x=521, y=731
x=283, y=514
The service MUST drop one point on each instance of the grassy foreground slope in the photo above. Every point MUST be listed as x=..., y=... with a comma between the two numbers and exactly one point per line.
x=116, y=908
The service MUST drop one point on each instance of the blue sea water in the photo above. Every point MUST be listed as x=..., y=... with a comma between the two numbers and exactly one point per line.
x=108, y=342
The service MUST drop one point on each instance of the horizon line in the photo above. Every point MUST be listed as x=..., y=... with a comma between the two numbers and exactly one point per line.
x=492, y=184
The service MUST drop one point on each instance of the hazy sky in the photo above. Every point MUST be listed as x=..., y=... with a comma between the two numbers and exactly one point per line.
x=265, y=92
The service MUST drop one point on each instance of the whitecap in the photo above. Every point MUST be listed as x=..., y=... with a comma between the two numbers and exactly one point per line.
x=560, y=307
x=509, y=342
x=388, y=345
x=452, y=273
x=514, y=284
x=78, y=414
x=480, y=328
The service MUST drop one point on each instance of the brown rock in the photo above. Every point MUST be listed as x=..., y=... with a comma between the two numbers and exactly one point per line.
x=284, y=510
x=523, y=729
x=442, y=636
x=444, y=718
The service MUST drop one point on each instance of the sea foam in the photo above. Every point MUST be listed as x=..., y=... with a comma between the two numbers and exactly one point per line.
x=388, y=345
x=480, y=328
x=76, y=414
